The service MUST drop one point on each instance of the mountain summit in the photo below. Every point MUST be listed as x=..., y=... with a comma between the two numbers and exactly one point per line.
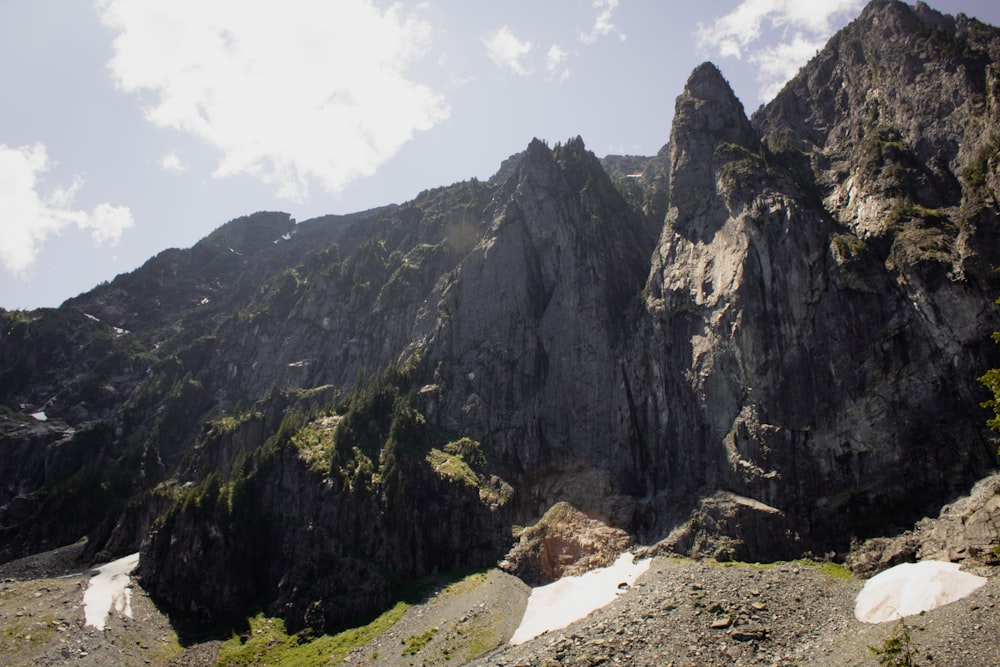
x=763, y=342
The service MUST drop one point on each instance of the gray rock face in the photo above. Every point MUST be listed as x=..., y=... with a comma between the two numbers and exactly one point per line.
x=564, y=542
x=765, y=343
x=782, y=345
x=967, y=529
x=527, y=332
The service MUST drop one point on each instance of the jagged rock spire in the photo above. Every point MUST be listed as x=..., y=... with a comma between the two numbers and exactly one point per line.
x=708, y=117
x=709, y=110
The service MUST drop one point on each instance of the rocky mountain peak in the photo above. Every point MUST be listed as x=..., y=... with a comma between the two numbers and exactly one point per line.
x=709, y=111
x=251, y=233
x=297, y=415
x=710, y=131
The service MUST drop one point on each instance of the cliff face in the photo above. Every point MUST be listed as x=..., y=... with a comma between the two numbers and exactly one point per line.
x=794, y=339
x=527, y=333
x=763, y=341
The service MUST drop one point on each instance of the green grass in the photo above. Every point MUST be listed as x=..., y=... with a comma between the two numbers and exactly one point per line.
x=830, y=569
x=417, y=642
x=270, y=644
x=462, y=585
x=315, y=443
x=452, y=466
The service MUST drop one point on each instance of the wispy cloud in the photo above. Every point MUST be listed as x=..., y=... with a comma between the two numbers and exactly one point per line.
x=603, y=25
x=507, y=51
x=28, y=218
x=778, y=36
x=554, y=63
x=292, y=93
x=172, y=162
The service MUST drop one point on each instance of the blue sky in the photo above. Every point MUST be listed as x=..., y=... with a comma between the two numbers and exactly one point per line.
x=131, y=126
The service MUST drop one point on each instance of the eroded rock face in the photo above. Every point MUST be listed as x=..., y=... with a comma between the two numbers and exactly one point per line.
x=564, y=542
x=728, y=527
x=527, y=332
x=315, y=547
x=787, y=361
x=966, y=529
x=781, y=344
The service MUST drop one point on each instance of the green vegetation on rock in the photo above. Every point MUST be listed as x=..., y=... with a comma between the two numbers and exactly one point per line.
x=268, y=643
x=898, y=650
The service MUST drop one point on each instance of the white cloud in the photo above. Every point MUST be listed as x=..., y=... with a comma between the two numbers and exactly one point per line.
x=290, y=93
x=506, y=50
x=27, y=217
x=554, y=61
x=602, y=24
x=793, y=30
x=777, y=64
x=172, y=162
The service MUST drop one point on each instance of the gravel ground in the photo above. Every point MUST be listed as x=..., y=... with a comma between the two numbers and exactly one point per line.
x=687, y=613
x=680, y=613
x=42, y=620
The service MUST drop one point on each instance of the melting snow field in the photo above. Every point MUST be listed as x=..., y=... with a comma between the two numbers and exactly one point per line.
x=109, y=590
x=911, y=588
x=558, y=604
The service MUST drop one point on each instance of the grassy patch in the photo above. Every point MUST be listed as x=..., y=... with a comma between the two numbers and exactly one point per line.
x=452, y=466
x=314, y=443
x=417, y=642
x=228, y=423
x=828, y=568
x=463, y=585
x=29, y=634
x=270, y=644
x=848, y=246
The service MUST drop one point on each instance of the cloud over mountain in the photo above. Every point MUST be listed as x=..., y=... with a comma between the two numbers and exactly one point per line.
x=30, y=216
x=291, y=94
x=777, y=36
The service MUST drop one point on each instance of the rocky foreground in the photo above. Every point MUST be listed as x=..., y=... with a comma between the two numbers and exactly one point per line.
x=680, y=612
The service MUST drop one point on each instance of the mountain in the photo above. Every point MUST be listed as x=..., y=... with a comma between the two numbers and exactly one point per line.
x=761, y=343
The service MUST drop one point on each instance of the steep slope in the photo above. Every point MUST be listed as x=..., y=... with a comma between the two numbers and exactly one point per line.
x=528, y=331
x=298, y=416
x=790, y=365
x=495, y=353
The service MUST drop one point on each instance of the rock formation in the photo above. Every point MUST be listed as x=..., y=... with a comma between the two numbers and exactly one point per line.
x=762, y=342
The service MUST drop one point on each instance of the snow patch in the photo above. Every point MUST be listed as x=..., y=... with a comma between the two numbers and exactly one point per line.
x=89, y=316
x=109, y=590
x=40, y=416
x=558, y=604
x=911, y=588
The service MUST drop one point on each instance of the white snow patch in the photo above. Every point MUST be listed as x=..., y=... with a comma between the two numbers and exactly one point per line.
x=911, y=588
x=109, y=590
x=40, y=416
x=88, y=315
x=558, y=604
